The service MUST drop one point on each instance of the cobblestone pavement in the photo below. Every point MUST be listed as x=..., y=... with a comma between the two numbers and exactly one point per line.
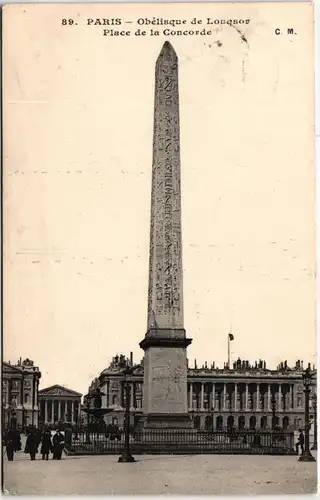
x=194, y=474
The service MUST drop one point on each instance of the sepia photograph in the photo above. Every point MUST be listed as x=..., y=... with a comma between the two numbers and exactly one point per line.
x=159, y=255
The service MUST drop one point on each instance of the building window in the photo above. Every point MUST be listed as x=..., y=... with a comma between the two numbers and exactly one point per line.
x=114, y=400
x=26, y=398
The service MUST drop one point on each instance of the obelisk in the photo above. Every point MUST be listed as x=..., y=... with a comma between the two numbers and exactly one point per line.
x=165, y=343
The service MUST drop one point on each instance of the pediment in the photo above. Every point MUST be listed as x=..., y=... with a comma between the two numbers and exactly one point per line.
x=10, y=369
x=58, y=390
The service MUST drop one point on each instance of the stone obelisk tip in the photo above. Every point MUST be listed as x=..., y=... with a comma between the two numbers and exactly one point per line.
x=167, y=52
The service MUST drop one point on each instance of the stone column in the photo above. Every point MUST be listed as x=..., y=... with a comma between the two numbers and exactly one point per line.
x=191, y=396
x=269, y=398
x=59, y=410
x=236, y=397
x=224, y=396
x=46, y=410
x=134, y=390
x=72, y=411
x=122, y=395
x=213, y=396
x=294, y=398
x=202, y=397
x=258, y=398
x=131, y=394
x=108, y=393
x=280, y=398
x=247, y=397
x=291, y=397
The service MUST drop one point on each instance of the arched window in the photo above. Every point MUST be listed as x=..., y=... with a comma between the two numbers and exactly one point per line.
x=252, y=422
x=285, y=423
x=114, y=400
x=242, y=423
x=230, y=422
x=197, y=422
x=219, y=422
x=263, y=422
x=208, y=423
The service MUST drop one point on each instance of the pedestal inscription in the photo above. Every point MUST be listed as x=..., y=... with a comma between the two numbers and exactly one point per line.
x=167, y=375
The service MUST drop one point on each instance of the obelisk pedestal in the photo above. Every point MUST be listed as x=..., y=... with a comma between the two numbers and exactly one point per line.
x=165, y=343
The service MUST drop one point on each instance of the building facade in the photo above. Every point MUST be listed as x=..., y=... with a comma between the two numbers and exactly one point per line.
x=244, y=396
x=20, y=386
x=58, y=404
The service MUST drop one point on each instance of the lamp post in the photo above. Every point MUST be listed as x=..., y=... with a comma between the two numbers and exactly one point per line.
x=306, y=455
x=315, y=434
x=126, y=454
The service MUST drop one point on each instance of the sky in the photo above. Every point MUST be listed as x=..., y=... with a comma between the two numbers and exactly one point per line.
x=78, y=111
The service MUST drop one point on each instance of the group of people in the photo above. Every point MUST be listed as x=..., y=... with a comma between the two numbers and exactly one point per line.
x=49, y=445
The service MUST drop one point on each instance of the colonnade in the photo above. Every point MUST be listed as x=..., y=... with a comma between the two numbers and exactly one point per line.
x=233, y=396
x=65, y=410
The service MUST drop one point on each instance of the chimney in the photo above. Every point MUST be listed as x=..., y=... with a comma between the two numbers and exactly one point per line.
x=131, y=357
x=301, y=365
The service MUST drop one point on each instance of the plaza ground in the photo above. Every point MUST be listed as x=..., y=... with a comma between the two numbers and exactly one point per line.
x=159, y=474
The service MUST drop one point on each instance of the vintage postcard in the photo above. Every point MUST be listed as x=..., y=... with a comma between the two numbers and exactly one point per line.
x=159, y=249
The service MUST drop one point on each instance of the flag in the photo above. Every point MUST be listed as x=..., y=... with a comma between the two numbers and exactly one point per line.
x=231, y=337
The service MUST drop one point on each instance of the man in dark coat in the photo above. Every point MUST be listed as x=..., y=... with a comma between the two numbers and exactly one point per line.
x=32, y=445
x=300, y=442
x=10, y=445
x=58, y=445
x=38, y=434
x=16, y=436
x=46, y=444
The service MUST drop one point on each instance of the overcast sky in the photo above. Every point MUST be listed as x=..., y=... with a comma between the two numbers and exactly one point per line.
x=78, y=111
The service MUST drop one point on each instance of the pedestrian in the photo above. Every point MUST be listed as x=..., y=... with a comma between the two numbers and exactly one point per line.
x=38, y=435
x=58, y=445
x=10, y=445
x=46, y=444
x=31, y=445
x=300, y=442
x=16, y=436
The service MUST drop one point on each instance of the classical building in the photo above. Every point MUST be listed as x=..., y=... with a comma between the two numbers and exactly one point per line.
x=246, y=395
x=59, y=404
x=20, y=383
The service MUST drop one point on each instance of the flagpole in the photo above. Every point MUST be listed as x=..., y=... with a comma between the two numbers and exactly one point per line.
x=230, y=337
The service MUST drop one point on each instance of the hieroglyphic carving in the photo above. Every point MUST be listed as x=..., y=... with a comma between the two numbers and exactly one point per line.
x=165, y=262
